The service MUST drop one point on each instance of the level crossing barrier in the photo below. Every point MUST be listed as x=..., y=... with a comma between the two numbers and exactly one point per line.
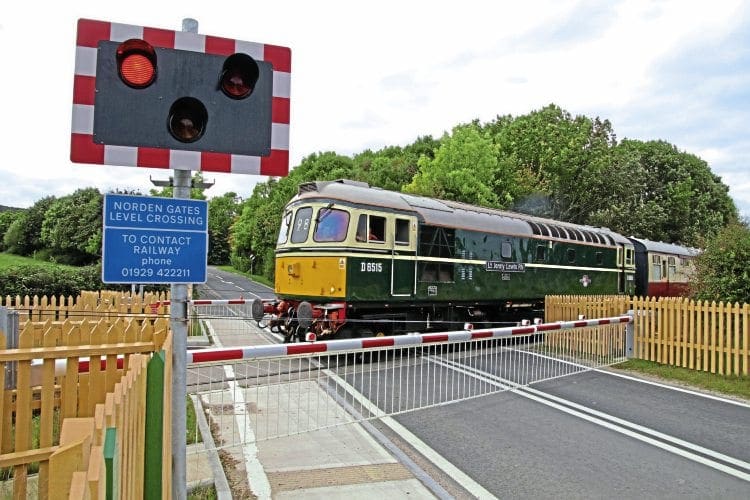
x=256, y=393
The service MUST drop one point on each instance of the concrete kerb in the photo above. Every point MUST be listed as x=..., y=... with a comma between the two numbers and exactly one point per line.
x=221, y=485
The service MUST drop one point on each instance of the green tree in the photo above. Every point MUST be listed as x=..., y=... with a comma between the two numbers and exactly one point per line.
x=222, y=212
x=72, y=227
x=7, y=217
x=653, y=190
x=723, y=268
x=463, y=169
x=556, y=156
x=24, y=235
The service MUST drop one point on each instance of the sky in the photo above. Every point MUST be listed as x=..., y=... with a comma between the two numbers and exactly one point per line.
x=376, y=74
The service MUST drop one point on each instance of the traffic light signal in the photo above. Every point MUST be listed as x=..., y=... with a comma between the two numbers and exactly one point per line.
x=165, y=99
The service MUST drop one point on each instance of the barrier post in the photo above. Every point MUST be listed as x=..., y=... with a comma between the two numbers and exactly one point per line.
x=630, y=336
x=9, y=327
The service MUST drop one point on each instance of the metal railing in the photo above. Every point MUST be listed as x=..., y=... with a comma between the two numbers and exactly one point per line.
x=262, y=392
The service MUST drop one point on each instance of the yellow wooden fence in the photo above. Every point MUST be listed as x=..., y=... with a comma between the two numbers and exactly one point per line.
x=79, y=465
x=699, y=335
x=87, y=305
x=51, y=388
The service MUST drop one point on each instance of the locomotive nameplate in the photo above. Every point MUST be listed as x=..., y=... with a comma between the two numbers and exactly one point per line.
x=505, y=267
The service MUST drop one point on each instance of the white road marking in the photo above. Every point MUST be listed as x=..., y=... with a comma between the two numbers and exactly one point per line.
x=438, y=460
x=608, y=421
x=256, y=475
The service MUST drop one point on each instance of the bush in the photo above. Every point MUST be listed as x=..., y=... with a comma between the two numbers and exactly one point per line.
x=45, y=280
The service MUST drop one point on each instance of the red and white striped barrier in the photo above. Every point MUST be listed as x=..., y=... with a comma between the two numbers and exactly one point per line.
x=61, y=367
x=278, y=350
x=205, y=302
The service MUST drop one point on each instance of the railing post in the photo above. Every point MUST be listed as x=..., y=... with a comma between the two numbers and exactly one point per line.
x=9, y=326
x=630, y=336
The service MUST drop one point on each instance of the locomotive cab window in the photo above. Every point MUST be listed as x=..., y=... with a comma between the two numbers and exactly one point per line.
x=402, y=232
x=301, y=225
x=284, y=231
x=332, y=225
x=371, y=228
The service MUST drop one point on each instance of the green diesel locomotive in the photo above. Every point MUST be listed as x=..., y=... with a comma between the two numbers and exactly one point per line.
x=353, y=260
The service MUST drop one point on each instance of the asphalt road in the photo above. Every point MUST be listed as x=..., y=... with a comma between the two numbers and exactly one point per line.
x=223, y=285
x=639, y=445
x=591, y=435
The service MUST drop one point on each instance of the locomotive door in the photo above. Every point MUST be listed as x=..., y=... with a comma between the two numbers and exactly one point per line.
x=403, y=261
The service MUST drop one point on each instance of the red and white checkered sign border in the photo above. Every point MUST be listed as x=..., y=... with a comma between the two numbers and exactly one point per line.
x=84, y=150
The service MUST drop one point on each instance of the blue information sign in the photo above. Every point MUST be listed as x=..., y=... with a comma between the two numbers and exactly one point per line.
x=154, y=240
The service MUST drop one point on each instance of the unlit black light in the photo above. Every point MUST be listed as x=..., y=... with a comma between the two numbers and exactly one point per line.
x=238, y=76
x=187, y=119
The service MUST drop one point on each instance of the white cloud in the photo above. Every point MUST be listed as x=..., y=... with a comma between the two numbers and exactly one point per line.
x=372, y=75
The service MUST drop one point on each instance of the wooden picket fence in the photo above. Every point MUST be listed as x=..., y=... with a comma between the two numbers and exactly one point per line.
x=103, y=457
x=87, y=305
x=698, y=335
x=55, y=383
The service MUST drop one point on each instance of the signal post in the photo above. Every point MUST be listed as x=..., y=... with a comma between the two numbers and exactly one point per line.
x=155, y=98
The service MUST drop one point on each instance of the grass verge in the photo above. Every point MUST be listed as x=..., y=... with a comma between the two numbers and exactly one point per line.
x=731, y=385
x=10, y=260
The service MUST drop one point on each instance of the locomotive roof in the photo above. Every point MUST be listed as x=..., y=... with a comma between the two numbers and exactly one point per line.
x=661, y=247
x=448, y=213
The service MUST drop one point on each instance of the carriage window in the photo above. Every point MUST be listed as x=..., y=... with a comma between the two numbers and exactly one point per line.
x=541, y=253
x=332, y=225
x=506, y=250
x=672, y=268
x=599, y=258
x=301, y=225
x=629, y=256
x=571, y=255
x=284, y=231
x=655, y=267
x=402, y=232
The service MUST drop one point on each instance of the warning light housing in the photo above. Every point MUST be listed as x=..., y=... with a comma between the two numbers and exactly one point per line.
x=187, y=119
x=238, y=76
x=136, y=63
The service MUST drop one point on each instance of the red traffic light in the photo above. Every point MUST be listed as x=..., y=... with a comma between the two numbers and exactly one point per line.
x=136, y=63
x=239, y=76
